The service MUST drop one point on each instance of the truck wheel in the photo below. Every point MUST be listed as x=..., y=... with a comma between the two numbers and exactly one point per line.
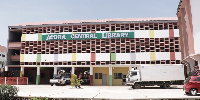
x=161, y=86
x=166, y=85
x=137, y=86
x=51, y=84
x=193, y=92
x=133, y=86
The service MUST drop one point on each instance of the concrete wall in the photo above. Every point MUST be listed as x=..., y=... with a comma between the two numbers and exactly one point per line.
x=103, y=70
x=139, y=56
x=196, y=23
x=123, y=70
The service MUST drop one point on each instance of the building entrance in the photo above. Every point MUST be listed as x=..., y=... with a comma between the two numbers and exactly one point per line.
x=84, y=74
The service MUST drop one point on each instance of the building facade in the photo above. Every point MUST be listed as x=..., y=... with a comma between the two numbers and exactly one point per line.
x=3, y=59
x=102, y=51
x=188, y=18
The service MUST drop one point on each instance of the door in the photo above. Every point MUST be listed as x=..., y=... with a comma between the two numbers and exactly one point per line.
x=123, y=79
x=197, y=83
x=104, y=79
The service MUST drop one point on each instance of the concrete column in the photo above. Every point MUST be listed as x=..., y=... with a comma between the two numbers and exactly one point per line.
x=38, y=76
x=72, y=72
x=6, y=68
x=110, y=75
x=130, y=68
x=91, y=76
x=55, y=71
x=22, y=72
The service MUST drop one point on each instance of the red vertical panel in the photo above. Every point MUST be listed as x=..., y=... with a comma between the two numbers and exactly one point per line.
x=172, y=56
x=11, y=80
x=2, y=80
x=22, y=80
x=91, y=80
x=93, y=56
x=171, y=33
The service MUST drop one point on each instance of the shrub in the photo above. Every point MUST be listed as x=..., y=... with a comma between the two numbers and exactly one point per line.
x=76, y=82
x=8, y=92
x=40, y=98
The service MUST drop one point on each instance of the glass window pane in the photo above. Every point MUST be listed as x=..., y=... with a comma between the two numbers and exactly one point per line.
x=115, y=75
x=100, y=75
x=119, y=75
x=96, y=75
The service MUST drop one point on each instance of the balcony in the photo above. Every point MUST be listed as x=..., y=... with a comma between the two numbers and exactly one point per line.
x=14, y=45
x=15, y=57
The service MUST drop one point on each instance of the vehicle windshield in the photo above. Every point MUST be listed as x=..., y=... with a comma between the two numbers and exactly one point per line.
x=188, y=79
x=133, y=73
x=57, y=77
x=68, y=76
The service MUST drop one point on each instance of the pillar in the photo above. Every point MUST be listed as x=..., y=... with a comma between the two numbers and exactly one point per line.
x=91, y=76
x=6, y=68
x=38, y=76
x=110, y=75
x=72, y=72
x=6, y=71
x=130, y=68
x=22, y=72
x=55, y=71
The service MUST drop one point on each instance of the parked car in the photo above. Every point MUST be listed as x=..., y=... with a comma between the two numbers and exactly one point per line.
x=85, y=80
x=61, y=80
x=192, y=85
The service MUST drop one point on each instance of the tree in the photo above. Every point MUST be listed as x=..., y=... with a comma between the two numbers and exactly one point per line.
x=76, y=82
x=8, y=92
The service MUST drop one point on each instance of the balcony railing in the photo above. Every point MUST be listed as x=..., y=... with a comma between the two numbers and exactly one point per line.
x=14, y=45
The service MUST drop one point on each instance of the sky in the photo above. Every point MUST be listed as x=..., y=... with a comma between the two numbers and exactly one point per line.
x=22, y=11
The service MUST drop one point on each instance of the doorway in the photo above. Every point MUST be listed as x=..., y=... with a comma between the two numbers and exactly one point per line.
x=104, y=79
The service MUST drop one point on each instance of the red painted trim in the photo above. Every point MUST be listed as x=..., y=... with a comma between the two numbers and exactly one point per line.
x=172, y=56
x=171, y=33
x=91, y=80
x=93, y=57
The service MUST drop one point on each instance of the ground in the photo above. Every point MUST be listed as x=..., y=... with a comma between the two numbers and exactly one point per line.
x=102, y=92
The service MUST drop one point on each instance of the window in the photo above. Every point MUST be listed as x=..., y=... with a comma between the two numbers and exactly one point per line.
x=117, y=75
x=188, y=79
x=197, y=79
x=98, y=75
x=133, y=73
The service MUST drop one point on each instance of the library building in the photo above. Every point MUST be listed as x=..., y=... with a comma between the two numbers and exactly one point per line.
x=101, y=51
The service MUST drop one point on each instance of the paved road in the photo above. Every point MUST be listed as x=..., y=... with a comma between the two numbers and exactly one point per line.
x=102, y=92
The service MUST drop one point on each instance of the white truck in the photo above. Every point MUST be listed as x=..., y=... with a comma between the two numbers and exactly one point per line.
x=150, y=75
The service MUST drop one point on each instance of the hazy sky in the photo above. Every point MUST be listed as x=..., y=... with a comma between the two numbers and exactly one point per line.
x=21, y=11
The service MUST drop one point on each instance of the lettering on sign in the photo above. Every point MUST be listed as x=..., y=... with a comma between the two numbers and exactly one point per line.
x=82, y=36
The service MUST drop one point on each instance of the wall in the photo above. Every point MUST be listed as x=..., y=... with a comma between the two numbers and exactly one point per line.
x=103, y=70
x=196, y=23
x=138, y=56
x=123, y=70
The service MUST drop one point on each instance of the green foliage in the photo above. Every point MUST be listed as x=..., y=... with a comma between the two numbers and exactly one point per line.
x=76, y=82
x=40, y=98
x=8, y=92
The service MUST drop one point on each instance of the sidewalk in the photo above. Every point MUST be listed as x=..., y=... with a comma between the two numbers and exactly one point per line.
x=102, y=92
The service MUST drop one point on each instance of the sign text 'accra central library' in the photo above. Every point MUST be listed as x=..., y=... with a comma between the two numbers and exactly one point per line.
x=83, y=36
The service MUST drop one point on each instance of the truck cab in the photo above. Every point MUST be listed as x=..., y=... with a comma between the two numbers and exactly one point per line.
x=132, y=77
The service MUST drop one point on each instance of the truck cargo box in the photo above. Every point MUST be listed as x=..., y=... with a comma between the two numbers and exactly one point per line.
x=161, y=72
